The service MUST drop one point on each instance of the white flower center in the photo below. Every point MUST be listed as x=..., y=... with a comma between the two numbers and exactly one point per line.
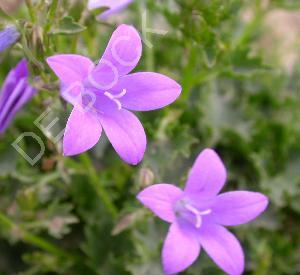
x=190, y=213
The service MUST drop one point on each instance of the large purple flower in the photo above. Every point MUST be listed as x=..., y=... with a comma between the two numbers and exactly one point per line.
x=198, y=216
x=15, y=93
x=114, y=6
x=8, y=37
x=102, y=94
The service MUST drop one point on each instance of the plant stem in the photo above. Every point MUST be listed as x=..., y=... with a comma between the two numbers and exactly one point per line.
x=31, y=10
x=51, y=16
x=150, y=62
x=34, y=240
x=94, y=181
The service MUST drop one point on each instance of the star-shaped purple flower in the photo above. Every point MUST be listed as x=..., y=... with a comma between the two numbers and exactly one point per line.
x=15, y=93
x=114, y=6
x=198, y=216
x=102, y=94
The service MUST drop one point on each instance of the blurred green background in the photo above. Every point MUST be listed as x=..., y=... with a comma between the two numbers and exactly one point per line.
x=238, y=63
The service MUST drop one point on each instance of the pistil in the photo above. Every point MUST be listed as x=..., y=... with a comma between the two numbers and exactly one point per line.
x=115, y=98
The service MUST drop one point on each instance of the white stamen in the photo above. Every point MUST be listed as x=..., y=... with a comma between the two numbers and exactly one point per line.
x=124, y=91
x=196, y=213
x=206, y=212
x=115, y=98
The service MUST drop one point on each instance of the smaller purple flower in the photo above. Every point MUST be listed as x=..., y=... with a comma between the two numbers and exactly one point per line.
x=15, y=93
x=114, y=6
x=198, y=216
x=8, y=37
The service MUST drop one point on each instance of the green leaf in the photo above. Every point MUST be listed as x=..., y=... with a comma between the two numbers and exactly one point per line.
x=67, y=25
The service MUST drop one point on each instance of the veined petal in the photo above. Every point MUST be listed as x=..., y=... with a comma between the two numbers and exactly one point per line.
x=160, y=199
x=126, y=134
x=207, y=176
x=70, y=68
x=147, y=91
x=82, y=132
x=234, y=208
x=18, y=98
x=123, y=52
x=223, y=247
x=15, y=75
x=180, y=250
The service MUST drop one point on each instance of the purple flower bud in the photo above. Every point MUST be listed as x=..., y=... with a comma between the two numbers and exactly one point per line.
x=15, y=93
x=8, y=37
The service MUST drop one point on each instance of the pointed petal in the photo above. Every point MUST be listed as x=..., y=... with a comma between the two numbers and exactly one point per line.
x=126, y=134
x=160, y=199
x=82, y=132
x=207, y=176
x=180, y=250
x=70, y=68
x=234, y=208
x=123, y=52
x=223, y=247
x=147, y=91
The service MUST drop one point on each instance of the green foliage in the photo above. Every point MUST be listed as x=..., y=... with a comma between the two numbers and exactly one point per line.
x=79, y=215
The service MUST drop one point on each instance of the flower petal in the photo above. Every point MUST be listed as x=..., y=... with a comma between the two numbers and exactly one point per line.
x=126, y=134
x=234, y=208
x=124, y=50
x=147, y=91
x=83, y=131
x=72, y=92
x=207, y=176
x=114, y=6
x=223, y=247
x=70, y=68
x=160, y=199
x=180, y=250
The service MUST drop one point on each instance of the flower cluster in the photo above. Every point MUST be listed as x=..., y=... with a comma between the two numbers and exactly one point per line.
x=104, y=96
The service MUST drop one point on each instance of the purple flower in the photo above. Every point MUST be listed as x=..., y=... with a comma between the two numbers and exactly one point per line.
x=114, y=6
x=15, y=93
x=198, y=216
x=8, y=37
x=102, y=94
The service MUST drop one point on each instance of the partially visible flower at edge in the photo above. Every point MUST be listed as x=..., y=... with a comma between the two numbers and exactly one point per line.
x=198, y=216
x=103, y=94
x=8, y=37
x=114, y=6
x=15, y=93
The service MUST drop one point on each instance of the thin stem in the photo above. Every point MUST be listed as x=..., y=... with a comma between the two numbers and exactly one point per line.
x=32, y=239
x=94, y=181
x=51, y=16
x=149, y=48
x=31, y=10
